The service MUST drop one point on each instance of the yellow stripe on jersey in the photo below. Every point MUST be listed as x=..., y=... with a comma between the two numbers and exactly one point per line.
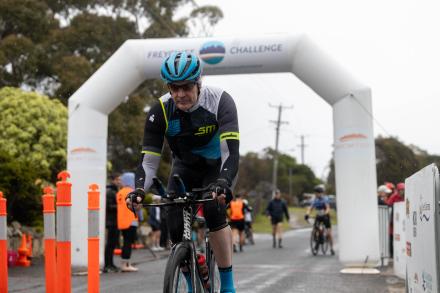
x=164, y=114
x=230, y=135
x=151, y=153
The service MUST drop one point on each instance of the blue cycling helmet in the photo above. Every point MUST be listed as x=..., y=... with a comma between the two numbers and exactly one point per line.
x=181, y=66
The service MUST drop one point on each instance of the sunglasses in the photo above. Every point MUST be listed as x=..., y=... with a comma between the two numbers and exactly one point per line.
x=185, y=87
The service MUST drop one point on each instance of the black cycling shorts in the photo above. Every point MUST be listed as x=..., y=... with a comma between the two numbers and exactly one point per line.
x=275, y=220
x=194, y=177
x=237, y=224
x=325, y=219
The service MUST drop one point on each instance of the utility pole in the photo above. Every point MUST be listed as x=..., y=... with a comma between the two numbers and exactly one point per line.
x=277, y=136
x=302, y=146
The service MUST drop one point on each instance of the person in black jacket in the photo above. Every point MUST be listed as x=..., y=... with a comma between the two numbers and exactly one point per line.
x=111, y=223
x=275, y=210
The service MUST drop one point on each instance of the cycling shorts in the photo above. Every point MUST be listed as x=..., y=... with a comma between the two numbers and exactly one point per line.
x=325, y=219
x=194, y=177
x=237, y=224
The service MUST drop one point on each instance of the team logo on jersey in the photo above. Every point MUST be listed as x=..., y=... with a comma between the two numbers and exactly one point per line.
x=212, y=52
x=204, y=130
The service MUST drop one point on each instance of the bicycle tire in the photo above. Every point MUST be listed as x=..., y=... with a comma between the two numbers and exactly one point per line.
x=174, y=280
x=214, y=274
x=314, y=241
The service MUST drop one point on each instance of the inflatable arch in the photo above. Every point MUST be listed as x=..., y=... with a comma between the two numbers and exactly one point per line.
x=137, y=60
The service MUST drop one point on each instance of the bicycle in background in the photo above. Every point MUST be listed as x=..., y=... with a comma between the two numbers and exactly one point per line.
x=318, y=237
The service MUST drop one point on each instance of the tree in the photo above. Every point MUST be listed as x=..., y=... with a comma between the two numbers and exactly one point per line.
x=395, y=161
x=55, y=46
x=33, y=140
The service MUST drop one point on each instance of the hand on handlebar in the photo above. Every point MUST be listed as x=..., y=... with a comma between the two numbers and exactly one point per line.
x=221, y=191
x=134, y=200
x=306, y=217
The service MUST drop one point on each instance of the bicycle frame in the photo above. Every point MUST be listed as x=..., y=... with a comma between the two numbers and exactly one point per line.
x=187, y=200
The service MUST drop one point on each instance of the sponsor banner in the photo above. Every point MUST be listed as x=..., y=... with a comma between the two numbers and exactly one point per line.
x=232, y=55
x=421, y=231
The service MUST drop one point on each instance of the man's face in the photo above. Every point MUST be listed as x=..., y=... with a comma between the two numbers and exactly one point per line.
x=117, y=182
x=184, y=95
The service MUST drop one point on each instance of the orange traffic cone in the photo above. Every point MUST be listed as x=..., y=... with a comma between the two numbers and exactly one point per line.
x=23, y=253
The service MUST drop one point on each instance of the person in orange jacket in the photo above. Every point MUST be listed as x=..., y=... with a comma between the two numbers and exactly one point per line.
x=237, y=208
x=127, y=222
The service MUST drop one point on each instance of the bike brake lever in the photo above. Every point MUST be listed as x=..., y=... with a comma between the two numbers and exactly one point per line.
x=159, y=187
x=181, y=190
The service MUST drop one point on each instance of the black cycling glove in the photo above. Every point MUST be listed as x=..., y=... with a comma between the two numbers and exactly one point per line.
x=133, y=195
x=306, y=217
x=221, y=186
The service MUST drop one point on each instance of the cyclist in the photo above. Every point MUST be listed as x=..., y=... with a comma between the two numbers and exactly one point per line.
x=248, y=221
x=237, y=209
x=322, y=206
x=201, y=126
x=275, y=210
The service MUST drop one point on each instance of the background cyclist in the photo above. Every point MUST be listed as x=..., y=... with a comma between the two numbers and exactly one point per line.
x=322, y=206
x=201, y=127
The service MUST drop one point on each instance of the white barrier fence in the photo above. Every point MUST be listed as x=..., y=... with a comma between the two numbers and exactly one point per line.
x=422, y=234
x=384, y=239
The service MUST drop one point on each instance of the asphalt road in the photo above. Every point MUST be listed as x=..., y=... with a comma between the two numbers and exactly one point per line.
x=260, y=268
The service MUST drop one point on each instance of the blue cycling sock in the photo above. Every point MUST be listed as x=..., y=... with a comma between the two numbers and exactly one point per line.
x=188, y=281
x=227, y=280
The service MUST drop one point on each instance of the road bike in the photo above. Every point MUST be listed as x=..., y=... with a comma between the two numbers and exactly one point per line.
x=319, y=237
x=184, y=256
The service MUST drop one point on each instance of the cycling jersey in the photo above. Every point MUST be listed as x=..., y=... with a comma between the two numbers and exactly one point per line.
x=200, y=137
x=204, y=142
x=320, y=203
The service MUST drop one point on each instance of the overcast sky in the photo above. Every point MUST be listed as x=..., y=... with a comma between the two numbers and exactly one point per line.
x=392, y=46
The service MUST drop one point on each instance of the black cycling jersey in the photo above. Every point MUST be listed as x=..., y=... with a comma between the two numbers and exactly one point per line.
x=206, y=136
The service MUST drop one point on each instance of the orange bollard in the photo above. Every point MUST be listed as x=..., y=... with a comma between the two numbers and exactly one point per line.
x=49, y=238
x=23, y=253
x=64, y=205
x=93, y=239
x=3, y=246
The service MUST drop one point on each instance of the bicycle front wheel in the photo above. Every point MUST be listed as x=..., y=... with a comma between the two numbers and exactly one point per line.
x=175, y=281
x=214, y=275
x=314, y=241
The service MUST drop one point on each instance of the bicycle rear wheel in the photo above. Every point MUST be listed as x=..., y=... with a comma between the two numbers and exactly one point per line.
x=314, y=241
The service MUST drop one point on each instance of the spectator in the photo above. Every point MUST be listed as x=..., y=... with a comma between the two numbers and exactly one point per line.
x=237, y=207
x=397, y=196
x=154, y=221
x=275, y=210
x=111, y=223
x=382, y=194
x=127, y=222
